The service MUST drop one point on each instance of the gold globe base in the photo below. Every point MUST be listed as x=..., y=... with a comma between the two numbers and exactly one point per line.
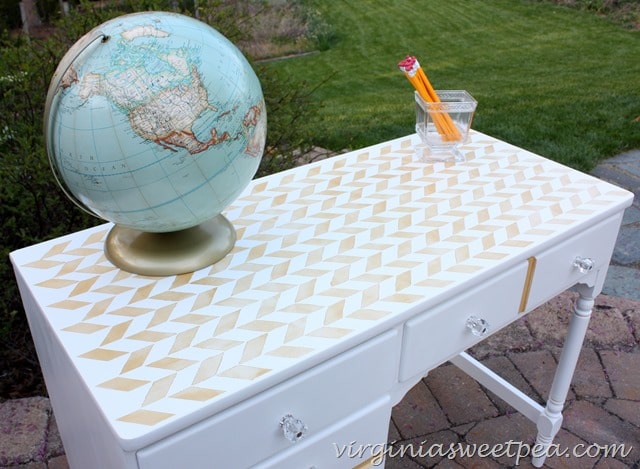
x=172, y=253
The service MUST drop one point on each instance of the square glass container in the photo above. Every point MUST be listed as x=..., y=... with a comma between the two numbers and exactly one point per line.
x=444, y=126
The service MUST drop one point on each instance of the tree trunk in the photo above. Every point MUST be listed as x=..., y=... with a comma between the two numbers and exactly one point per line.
x=30, y=16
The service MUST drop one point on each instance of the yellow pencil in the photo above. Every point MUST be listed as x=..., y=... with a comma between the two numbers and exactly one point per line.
x=415, y=74
x=439, y=122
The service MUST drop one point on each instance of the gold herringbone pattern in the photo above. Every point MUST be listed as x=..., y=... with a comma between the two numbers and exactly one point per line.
x=324, y=252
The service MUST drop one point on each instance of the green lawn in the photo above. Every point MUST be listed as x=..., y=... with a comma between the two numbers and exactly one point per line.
x=559, y=82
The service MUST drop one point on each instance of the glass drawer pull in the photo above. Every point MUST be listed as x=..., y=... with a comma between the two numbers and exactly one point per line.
x=477, y=326
x=584, y=264
x=293, y=429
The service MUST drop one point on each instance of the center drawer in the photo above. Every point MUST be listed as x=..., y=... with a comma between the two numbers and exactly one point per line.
x=250, y=431
x=433, y=337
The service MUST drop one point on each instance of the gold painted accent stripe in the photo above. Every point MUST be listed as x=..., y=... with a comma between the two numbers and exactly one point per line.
x=527, y=284
x=370, y=462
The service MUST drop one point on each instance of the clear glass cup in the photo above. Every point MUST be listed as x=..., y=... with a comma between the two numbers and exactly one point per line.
x=444, y=126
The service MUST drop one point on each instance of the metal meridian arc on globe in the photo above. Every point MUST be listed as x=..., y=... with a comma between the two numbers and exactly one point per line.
x=156, y=122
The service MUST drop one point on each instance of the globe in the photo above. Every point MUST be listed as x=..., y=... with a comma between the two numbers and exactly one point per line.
x=156, y=122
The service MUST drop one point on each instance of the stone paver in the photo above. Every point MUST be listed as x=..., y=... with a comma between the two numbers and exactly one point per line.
x=633, y=317
x=419, y=413
x=627, y=252
x=622, y=170
x=54, y=447
x=595, y=425
x=500, y=430
x=502, y=366
x=401, y=463
x=608, y=328
x=589, y=379
x=59, y=462
x=564, y=441
x=23, y=430
x=30, y=465
x=427, y=451
x=627, y=410
x=460, y=395
x=538, y=368
x=548, y=323
x=622, y=281
x=623, y=370
x=610, y=463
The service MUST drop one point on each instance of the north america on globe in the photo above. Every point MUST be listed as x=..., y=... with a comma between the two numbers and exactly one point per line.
x=160, y=91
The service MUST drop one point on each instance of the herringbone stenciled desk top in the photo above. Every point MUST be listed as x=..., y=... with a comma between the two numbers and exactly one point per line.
x=327, y=254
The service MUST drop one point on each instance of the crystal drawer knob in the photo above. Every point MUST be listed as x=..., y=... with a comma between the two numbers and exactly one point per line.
x=584, y=264
x=477, y=326
x=293, y=429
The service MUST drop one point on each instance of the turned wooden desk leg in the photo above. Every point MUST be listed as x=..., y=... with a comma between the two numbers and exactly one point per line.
x=550, y=420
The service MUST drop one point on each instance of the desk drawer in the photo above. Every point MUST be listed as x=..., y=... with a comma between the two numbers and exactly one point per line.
x=345, y=445
x=555, y=270
x=250, y=431
x=441, y=333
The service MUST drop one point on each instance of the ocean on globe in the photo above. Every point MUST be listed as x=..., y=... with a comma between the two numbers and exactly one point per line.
x=154, y=121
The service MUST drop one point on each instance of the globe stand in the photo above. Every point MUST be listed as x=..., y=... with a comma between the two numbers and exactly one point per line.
x=172, y=253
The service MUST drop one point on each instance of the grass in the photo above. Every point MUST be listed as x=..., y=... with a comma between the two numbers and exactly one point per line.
x=560, y=82
x=274, y=30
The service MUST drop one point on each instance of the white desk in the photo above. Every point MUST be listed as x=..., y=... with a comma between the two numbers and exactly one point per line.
x=351, y=279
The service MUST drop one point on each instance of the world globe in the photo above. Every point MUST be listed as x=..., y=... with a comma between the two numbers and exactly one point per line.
x=156, y=122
